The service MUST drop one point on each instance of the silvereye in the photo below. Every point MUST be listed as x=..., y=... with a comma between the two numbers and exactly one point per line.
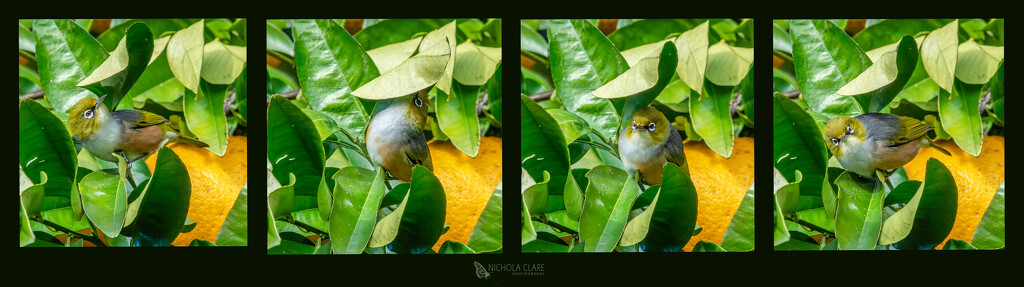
x=647, y=143
x=876, y=141
x=394, y=137
x=125, y=132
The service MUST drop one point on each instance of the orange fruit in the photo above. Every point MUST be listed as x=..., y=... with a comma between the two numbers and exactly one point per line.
x=468, y=184
x=216, y=182
x=721, y=184
x=977, y=180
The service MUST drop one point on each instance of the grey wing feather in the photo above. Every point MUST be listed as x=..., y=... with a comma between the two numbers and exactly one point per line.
x=674, y=152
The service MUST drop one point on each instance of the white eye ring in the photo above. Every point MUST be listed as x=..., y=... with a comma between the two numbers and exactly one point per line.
x=417, y=102
x=88, y=114
x=650, y=127
x=849, y=130
x=835, y=142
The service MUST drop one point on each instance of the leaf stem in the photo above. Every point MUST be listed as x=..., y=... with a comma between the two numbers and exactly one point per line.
x=557, y=227
x=91, y=238
x=782, y=55
x=811, y=226
x=306, y=227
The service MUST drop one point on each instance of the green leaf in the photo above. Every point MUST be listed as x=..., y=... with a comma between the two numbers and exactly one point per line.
x=939, y=55
x=494, y=98
x=222, y=63
x=390, y=56
x=903, y=193
x=357, y=195
x=859, y=214
x=798, y=146
x=27, y=42
x=960, y=116
x=640, y=32
x=293, y=146
x=890, y=31
x=330, y=64
x=160, y=209
x=781, y=40
x=454, y=247
x=928, y=218
x=125, y=65
x=414, y=74
x=711, y=118
x=44, y=145
x=975, y=64
x=740, y=234
x=390, y=31
x=787, y=194
x=156, y=83
x=25, y=234
x=728, y=65
x=185, y=55
x=991, y=232
x=105, y=200
x=281, y=198
x=781, y=233
x=747, y=93
x=279, y=41
x=546, y=243
x=31, y=194
x=486, y=235
x=535, y=194
x=234, y=231
x=637, y=87
x=456, y=116
x=957, y=244
x=292, y=243
x=424, y=214
x=531, y=41
x=475, y=64
x=705, y=246
x=672, y=222
x=884, y=79
x=610, y=194
x=241, y=97
x=446, y=33
x=543, y=145
x=65, y=54
x=273, y=237
x=572, y=126
x=529, y=234
x=204, y=115
x=825, y=60
x=582, y=60
x=159, y=27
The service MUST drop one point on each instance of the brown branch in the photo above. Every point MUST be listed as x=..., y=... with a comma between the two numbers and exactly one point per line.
x=291, y=94
x=228, y=102
x=33, y=95
x=792, y=94
x=542, y=96
x=734, y=105
x=985, y=100
x=480, y=105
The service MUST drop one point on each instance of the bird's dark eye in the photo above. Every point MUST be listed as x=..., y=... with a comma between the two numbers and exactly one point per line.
x=418, y=102
x=88, y=114
x=634, y=124
x=650, y=127
x=835, y=142
x=849, y=130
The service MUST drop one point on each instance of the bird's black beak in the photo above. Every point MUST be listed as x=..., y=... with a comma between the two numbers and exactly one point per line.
x=99, y=101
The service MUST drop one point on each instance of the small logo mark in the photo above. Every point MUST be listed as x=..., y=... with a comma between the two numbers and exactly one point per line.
x=481, y=272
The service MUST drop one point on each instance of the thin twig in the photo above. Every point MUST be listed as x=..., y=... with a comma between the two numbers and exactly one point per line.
x=230, y=101
x=985, y=100
x=811, y=226
x=291, y=94
x=792, y=94
x=307, y=227
x=91, y=238
x=557, y=227
x=33, y=95
x=734, y=105
x=480, y=105
x=542, y=96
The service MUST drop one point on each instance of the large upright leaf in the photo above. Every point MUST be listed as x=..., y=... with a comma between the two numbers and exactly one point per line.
x=960, y=116
x=330, y=65
x=928, y=218
x=125, y=65
x=711, y=118
x=185, y=55
x=991, y=232
x=637, y=87
x=234, y=231
x=423, y=218
x=673, y=221
x=610, y=194
x=293, y=146
x=388, y=57
x=543, y=145
x=163, y=205
x=357, y=195
x=582, y=60
x=859, y=215
x=456, y=116
x=157, y=83
x=530, y=40
x=204, y=115
x=693, y=56
x=486, y=235
x=412, y=75
x=939, y=55
x=44, y=145
x=740, y=234
x=65, y=54
x=444, y=34
x=825, y=59
x=105, y=200
x=279, y=41
x=884, y=79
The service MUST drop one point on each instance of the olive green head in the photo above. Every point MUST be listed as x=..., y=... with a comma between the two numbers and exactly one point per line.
x=840, y=129
x=84, y=118
x=648, y=122
x=418, y=103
